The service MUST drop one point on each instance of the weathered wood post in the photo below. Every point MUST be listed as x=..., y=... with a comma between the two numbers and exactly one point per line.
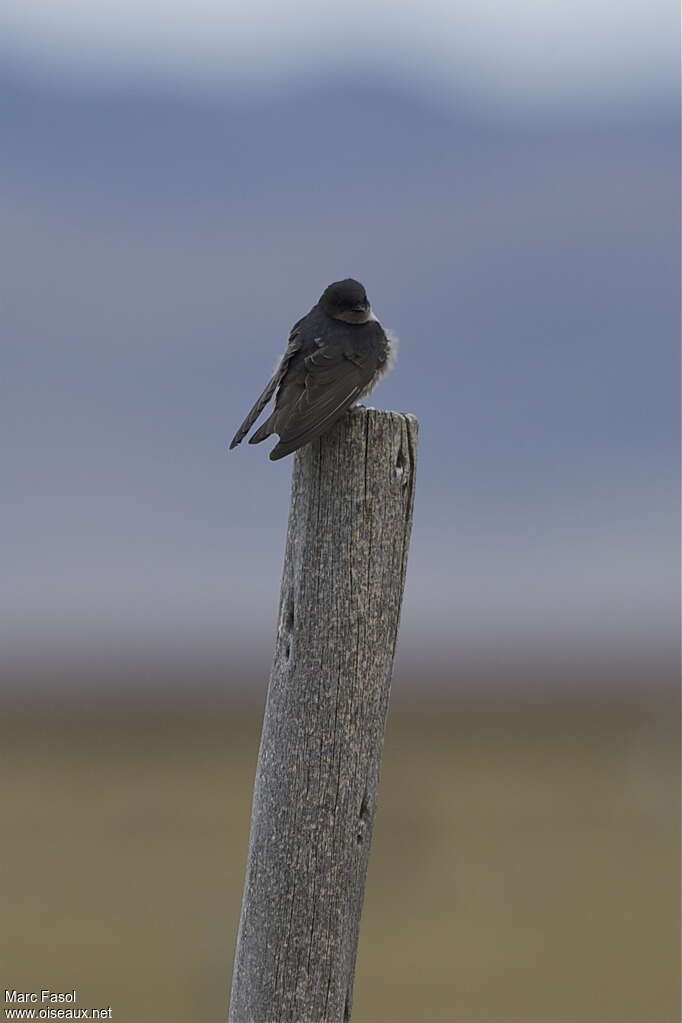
x=318, y=766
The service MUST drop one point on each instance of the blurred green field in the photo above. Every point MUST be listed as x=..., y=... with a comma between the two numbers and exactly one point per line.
x=524, y=866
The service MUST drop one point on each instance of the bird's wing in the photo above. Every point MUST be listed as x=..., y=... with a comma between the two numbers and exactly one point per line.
x=334, y=378
x=271, y=386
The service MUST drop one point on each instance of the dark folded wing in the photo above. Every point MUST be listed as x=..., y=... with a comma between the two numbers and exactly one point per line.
x=308, y=406
x=270, y=388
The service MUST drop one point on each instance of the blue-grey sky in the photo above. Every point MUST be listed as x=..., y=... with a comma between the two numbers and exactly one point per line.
x=526, y=54
x=504, y=180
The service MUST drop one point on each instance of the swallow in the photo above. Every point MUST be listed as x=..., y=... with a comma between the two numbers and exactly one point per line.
x=335, y=355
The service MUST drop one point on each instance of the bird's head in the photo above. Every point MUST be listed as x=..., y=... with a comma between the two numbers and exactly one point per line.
x=347, y=300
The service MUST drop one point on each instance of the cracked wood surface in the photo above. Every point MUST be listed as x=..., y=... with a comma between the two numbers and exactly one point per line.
x=318, y=765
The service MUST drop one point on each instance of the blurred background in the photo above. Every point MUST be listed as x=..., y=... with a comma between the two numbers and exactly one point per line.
x=178, y=185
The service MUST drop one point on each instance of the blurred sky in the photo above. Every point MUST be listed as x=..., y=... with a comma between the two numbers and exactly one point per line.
x=179, y=185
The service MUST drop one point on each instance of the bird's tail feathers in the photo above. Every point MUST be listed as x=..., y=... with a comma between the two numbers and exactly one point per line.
x=256, y=411
x=263, y=431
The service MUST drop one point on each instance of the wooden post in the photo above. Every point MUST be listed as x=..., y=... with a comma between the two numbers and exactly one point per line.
x=318, y=766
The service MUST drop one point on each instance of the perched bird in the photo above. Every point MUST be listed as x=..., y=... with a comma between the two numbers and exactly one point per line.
x=335, y=355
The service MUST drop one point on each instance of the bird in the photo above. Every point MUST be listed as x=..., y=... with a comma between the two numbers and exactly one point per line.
x=334, y=356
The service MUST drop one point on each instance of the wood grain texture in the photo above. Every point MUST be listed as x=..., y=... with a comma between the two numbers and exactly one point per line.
x=318, y=766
